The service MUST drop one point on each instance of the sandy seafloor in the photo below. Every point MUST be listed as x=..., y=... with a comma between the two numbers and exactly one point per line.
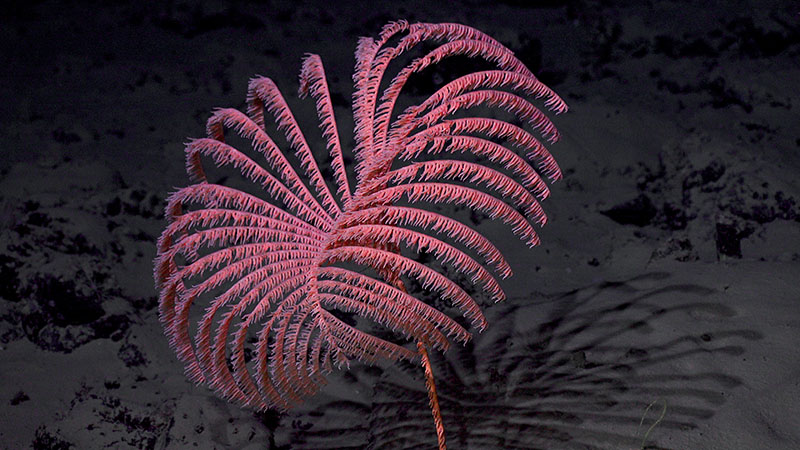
x=667, y=276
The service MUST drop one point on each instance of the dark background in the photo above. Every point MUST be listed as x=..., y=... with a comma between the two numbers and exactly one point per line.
x=666, y=272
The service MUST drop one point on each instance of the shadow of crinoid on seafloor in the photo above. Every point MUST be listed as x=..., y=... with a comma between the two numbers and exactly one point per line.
x=577, y=376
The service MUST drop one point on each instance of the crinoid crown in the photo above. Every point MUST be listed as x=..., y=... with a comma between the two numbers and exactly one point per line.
x=268, y=268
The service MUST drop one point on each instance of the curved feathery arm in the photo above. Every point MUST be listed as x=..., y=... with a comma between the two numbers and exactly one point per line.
x=236, y=269
x=472, y=173
x=179, y=328
x=407, y=216
x=377, y=315
x=411, y=306
x=482, y=147
x=429, y=278
x=215, y=196
x=372, y=62
x=286, y=294
x=444, y=252
x=362, y=115
x=299, y=351
x=366, y=79
x=525, y=82
x=296, y=334
x=493, y=128
x=312, y=81
x=387, y=311
x=176, y=298
x=205, y=219
x=363, y=346
x=489, y=51
x=522, y=108
x=223, y=154
x=460, y=195
x=249, y=129
x=417, y=33
x=264, y=378
x=264, y=94
x=283, y=367
x=236, y=261
x=259, y=286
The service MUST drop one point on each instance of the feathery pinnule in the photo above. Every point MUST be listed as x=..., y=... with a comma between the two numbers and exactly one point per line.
x=266, y=271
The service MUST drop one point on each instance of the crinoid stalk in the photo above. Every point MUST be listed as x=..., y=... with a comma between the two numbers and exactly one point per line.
x=271, y=269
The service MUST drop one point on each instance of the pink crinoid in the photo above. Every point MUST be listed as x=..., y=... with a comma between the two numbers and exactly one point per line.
x=270, y=269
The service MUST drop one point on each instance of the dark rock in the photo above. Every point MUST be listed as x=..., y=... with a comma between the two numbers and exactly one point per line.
x=114, y=208
x=19, y=397
x=754, y=42
x=729, y=237
x=145, y=304
x=763, y=213
x=131, y=355
x=786, y=206
x=33, y=323
x=64, y=302
x=674, y=217
x=639, y=211
x=44, y=440
x=722, y=96
x=111, y=326
x=709, y=174
x=38, y=219
x=65, y=137
x=9, y=278
x=63, y=339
